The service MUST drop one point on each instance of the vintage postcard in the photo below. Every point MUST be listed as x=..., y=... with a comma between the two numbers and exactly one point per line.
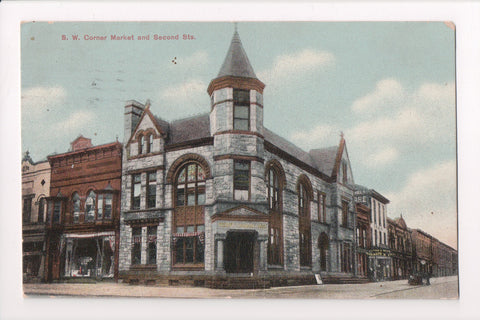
x=242, y=160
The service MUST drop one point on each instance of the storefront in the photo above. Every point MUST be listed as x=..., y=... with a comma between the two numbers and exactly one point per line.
x=89, y=255
x=380, y=265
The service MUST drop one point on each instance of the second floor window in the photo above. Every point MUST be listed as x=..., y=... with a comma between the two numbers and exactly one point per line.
x=241, y=110
x=136, y=190
x=76, y=207
x=27, y=209
x=141, y=146
x=322, y=214
x=344, y=214
x=241, y=180
x=273, y=190
x=90, y=206
x=42, y=205
x=151, y=189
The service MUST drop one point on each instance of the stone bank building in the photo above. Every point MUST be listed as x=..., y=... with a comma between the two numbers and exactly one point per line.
x=219, y=200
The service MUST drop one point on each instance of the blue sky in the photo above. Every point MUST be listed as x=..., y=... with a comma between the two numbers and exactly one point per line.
x=390, y=87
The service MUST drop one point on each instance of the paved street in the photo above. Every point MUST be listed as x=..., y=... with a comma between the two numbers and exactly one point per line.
x=446, y=288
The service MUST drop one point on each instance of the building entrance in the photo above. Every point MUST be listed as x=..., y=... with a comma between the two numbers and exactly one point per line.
x=239, y=249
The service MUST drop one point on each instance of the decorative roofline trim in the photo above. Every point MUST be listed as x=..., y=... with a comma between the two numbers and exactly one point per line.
x=235, y=82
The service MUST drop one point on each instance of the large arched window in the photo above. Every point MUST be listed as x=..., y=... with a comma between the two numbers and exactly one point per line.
x=274, y=179
x=189, y=226
x=90, y=206
x=76, y=207
x=304, y=227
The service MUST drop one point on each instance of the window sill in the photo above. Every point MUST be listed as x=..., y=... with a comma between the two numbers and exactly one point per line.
x=188, y=267
x=144, y=267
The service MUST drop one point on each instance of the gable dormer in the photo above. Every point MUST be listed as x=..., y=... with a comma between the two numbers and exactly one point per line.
x=148, y=136
x=342, y=171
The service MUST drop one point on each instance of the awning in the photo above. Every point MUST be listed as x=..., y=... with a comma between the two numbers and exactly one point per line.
x=89, y=235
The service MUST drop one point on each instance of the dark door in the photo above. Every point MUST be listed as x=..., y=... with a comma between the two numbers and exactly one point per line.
x=238, y=254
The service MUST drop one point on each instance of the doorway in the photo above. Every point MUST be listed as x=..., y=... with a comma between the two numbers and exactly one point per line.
x=239, y=251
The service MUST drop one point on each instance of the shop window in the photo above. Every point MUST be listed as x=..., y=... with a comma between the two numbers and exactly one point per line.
x=241, y=180
x=76, y=207
x=152, y=245
x=90, y=206
x=136, y=245
x=241, y=110
x=136, y=190
x=151, y=189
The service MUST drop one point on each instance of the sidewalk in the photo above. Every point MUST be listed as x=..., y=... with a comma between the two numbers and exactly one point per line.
x=446, y=287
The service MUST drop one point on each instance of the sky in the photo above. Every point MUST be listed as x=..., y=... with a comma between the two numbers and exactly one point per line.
x=388, y=86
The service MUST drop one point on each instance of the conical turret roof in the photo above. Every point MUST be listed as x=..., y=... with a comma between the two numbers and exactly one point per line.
x=236, y=62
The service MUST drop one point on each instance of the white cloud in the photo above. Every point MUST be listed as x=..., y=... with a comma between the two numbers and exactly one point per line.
x=76, y=121
x=295, y=64
x=196, y=59
x=399, y=122
x=383, y=157
x=386, y=93
x=184, y=91
x=36, y=100
x=319, y=136
x=428, y=200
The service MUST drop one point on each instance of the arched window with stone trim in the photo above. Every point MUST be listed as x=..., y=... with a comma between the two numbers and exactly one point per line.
x=141, y=145
x=76, y=207
x=304, y=192
x=90, y=204
x=189, y=226
x=275, y=180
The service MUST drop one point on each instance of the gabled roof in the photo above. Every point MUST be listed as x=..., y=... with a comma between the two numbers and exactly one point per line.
x=236, y=62
x=187, y=129
x=323, y=159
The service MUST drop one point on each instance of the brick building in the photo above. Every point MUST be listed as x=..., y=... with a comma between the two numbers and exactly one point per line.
x=379, y=264
x=400, y=242
x=35, y=190
x=364, y=238
x=83, y=211
x=218, y=197
x=444, y=259
x=422, y=251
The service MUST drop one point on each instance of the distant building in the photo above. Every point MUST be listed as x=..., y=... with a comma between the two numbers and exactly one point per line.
x=379, y=265
x=423, y=251
x=83, y=212
x=444, y=259
x=400, y=240
x=35, y=190
x=364, y=239
x=220, y=200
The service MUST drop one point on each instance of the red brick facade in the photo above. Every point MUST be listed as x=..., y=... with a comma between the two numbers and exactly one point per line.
x=83, y=211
